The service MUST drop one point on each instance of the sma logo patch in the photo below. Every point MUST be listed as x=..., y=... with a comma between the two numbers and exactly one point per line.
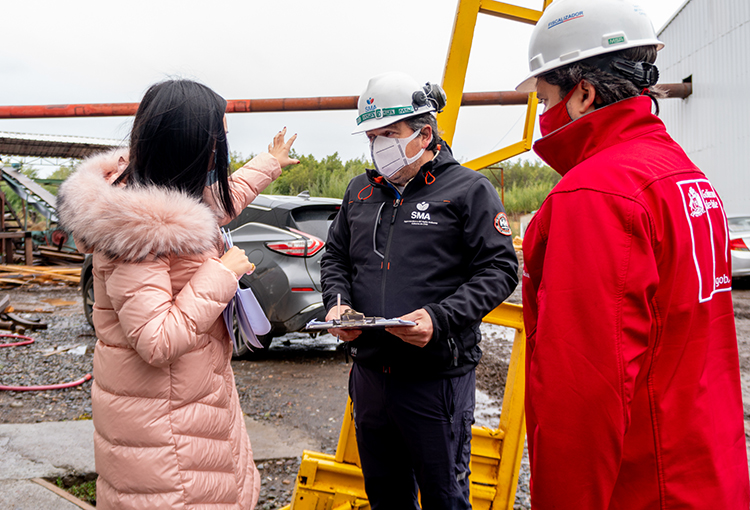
x=502, y=225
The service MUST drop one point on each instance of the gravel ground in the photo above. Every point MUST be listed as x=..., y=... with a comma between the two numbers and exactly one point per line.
x=276, y=483
x=497, y=345
x=61, y=353
x=299, y=382
x=64, y=353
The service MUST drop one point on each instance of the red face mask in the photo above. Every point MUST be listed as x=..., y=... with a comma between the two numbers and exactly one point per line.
x=556, y=117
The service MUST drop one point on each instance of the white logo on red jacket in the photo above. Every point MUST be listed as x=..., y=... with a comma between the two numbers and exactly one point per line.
x=696, y=204
x=708, y=232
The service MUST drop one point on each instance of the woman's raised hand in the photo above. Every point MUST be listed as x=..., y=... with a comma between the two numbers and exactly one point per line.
x=279, y=149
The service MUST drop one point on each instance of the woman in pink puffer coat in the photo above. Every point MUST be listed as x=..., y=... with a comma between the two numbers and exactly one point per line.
x=169, y=429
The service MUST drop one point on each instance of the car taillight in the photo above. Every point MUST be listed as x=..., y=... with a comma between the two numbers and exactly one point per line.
x=308, y=246
x=738, y=245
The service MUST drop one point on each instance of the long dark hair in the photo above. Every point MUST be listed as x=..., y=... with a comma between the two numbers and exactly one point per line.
x=177, y=138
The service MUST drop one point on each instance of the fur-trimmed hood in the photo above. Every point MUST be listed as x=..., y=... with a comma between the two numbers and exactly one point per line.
x=132, y=223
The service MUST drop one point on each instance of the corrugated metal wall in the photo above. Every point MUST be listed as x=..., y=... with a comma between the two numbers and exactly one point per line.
x=710, y=41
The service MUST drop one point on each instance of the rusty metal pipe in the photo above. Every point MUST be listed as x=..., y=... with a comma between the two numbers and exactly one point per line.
x=299, y=104
x=677, y=90
x=295, y=104
x=68, y=110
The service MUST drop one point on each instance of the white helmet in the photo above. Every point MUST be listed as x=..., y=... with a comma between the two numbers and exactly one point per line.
x=392, y=97
x=574, y=30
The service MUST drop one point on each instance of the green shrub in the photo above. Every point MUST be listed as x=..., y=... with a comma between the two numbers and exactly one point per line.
x=85, y=490
x=325, y=178
x=523, y=200
x=527, y=183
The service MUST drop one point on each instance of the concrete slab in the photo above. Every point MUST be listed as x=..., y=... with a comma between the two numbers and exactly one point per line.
x=46, y=449
x=52, y=449
x=27, y=495
x=277, y=441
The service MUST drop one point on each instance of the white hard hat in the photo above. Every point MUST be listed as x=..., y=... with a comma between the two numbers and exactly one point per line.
x=392, y=97
x=574, y=30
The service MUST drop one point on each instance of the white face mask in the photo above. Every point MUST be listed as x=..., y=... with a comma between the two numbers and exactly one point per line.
x=389, y=154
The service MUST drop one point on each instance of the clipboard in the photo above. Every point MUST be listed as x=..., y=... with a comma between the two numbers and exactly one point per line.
x=367, y=323
x=355, y=320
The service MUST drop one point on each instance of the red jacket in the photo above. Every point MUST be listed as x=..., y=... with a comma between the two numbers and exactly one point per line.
x=633, y=389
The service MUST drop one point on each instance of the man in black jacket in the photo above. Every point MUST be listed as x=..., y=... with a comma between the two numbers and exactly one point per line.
x=423, y=239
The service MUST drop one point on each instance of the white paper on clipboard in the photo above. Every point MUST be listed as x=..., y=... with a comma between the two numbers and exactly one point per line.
x=370, y=323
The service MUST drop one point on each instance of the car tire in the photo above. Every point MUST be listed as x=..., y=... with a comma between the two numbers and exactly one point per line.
x=88, y=299
x=244, y=352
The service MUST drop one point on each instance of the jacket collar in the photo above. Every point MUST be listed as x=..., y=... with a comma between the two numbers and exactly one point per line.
x=579, y=140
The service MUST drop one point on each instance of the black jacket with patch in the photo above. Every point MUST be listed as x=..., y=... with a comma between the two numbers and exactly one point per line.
x=444, y=246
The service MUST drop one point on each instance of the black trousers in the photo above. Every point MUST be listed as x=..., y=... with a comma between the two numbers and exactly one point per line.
x=413, y=434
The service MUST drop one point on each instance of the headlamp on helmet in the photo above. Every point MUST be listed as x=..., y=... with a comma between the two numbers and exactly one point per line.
x=431, y=94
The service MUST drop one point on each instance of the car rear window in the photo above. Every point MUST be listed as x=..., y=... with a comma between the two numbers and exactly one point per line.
x=315, y=220
x=250, y=214
x=739, y=224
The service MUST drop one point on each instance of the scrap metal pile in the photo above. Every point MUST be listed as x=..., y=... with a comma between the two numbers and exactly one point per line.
x=11, y=320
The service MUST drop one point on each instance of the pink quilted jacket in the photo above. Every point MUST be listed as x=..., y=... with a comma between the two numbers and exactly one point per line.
x=169, y=429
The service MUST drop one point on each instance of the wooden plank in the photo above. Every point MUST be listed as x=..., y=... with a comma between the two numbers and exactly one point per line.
x=37, y=272
x=15, y=235
x=54, y=254
x=63, y=494
x=28, y=250
x=51, y=269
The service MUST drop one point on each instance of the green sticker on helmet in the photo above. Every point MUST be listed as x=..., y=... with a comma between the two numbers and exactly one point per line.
x=385, y=112
x=615, y=40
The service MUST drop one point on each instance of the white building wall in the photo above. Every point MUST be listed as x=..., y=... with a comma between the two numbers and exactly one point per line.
x=710, y=41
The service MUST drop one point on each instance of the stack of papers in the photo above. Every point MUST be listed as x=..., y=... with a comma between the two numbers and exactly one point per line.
x=244, y=312
x=366, y=323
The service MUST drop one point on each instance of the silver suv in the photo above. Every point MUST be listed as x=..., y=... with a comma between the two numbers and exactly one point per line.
x=284, y=237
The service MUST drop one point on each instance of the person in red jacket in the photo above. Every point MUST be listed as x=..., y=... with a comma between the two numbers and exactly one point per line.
x=633, y=389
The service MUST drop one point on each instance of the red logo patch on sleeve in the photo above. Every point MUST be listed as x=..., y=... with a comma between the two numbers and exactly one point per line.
x=502, y=225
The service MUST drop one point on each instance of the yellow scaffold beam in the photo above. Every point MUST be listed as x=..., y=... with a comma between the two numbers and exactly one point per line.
x=328, y=482
x=514, y=149
x=510, y=12
x=457, y=63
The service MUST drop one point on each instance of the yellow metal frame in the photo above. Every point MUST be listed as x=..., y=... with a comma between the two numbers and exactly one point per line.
x=457, y=63
x=335, y=482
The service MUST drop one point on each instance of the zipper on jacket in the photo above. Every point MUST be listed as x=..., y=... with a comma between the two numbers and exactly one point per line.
x=454, y=351
x=375, y=231
x=386, y=261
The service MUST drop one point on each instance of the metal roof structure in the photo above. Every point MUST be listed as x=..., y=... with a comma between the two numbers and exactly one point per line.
x=31, y=193
x=53, y=146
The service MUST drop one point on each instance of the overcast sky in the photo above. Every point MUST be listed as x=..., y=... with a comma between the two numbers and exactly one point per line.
x=98, y=51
